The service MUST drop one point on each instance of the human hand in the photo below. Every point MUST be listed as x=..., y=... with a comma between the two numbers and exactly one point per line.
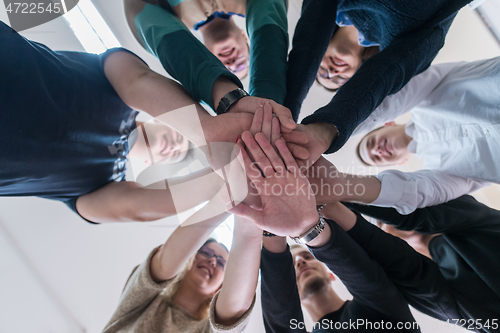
x=327, y=183
x=250, y=104
x=292, y=211
x=321, y=136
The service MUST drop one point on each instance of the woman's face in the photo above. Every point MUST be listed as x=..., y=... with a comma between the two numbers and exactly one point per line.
x=208, y=268
x=342, y=58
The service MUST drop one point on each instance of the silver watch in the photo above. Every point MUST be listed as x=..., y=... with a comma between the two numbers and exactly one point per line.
x=312, y=233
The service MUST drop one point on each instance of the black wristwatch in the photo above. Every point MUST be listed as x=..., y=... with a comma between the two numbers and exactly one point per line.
x=229, y=99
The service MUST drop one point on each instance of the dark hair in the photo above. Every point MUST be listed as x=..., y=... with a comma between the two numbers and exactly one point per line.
x=213, y=240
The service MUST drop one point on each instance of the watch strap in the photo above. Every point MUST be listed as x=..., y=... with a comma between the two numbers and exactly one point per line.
x=229, y=99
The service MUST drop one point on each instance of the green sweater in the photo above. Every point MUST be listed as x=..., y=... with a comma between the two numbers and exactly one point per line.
x=187, y=60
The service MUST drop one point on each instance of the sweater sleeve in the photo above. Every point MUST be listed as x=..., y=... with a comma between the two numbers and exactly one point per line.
x=182, y=55
x=314, y=30
x=280, y=297
x=457, y=215
x=267, y=27
x=364, y=277
x=237, y=327
x=381, y=75
x=416, y=276
x=138, y=293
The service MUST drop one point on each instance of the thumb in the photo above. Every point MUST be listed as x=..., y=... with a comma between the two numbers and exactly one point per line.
x=243, y=210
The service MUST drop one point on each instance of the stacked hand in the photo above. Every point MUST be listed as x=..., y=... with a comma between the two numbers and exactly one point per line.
x=288, y=205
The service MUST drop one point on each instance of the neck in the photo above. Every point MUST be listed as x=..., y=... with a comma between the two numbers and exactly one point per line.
x=235, y=6
x=406, y=138
x=322, y=302
x=188, y=298
x=190, y=13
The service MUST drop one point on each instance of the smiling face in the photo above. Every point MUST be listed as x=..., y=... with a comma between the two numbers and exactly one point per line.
x=208, y=273
x=311, y=275
x=342, y=58
x=229, y=44
x=385, y=146
x=163, y=144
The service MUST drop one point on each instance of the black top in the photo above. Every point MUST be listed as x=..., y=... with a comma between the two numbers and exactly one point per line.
x=410, y=34
x=465, y=269
x=376, y=298
x=63, y=128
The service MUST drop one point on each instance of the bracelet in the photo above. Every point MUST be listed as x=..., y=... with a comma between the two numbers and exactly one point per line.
x=312, y=233
x=267, y=234
x=230, y=99
x=320, y=208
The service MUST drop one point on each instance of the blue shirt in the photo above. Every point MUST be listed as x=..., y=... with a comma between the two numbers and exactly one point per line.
x=63, y=128
x=343, y=20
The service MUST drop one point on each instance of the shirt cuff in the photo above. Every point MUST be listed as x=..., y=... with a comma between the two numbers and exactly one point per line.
x=396, y=191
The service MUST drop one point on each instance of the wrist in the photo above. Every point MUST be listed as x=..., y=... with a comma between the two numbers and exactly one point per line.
x=363, y=189
x=326, y=133
x=247, y=229
x=322, y=238
x=306, y=225
x=221, y=87
x=274, y=244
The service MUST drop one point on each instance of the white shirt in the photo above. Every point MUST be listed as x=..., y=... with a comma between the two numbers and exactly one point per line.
x=455, y=126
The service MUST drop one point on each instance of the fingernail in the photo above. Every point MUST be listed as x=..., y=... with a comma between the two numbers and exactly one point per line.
x=291, y=120
x=238, y=138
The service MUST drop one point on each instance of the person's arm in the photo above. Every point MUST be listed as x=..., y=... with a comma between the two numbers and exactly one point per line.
x=458, y=215
x=416, y=276
x=313, y=32
x=412, y=94
x=364, y=277
x=182, y=55
x=468, y=223
x=240, y=279
x=279, y=294
x=162, y=265
x=267, y=28
x=128, y=201
x=379, y=76
x=407, y=191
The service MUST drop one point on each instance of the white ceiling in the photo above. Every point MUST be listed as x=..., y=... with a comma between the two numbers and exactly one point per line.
x=82, y=268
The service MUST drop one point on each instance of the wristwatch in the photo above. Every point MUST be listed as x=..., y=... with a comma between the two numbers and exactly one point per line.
x=312, y=233
x=229, y=99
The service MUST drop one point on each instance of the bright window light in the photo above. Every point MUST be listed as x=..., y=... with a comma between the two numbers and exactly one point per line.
x=224, y=232
x=89, y=27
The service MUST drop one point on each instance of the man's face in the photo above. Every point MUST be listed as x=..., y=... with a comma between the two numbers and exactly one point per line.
x=233, y=51
x=385, y=146
x=311, y=275
x=166, y=145
x=341, y=60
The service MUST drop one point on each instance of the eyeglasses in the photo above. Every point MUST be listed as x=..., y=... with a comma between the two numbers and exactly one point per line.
x=336, y=79
x=207, y=253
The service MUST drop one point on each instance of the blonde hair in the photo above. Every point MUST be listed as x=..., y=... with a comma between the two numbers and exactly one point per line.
x=173, y=287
